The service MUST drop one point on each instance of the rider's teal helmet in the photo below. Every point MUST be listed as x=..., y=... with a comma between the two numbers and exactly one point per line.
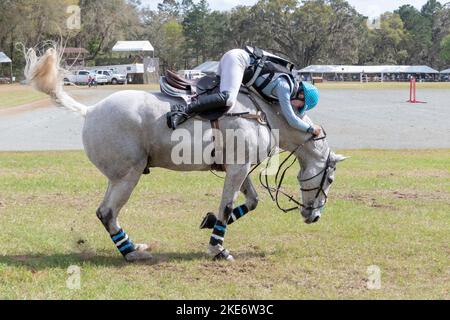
x=311, y=95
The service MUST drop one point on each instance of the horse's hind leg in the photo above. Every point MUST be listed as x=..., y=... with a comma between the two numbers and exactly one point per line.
x=117, y=195
x=251, y=202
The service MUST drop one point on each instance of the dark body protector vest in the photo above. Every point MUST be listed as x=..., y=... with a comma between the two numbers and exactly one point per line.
x=269, y=67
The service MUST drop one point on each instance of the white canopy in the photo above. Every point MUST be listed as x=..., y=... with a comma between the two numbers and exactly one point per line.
x=4, y=58
x=367, y=69
x=445, y=71
x=128, y=46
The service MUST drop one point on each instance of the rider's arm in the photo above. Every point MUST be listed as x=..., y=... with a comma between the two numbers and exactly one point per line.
x=283, y=91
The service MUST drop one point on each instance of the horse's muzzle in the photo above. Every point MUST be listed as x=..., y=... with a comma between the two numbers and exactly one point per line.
x=311, y=216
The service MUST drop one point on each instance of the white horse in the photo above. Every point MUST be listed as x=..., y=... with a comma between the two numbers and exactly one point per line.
x=126, y=134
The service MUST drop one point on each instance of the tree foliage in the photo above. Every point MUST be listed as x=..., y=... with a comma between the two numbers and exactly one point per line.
x=187, y=32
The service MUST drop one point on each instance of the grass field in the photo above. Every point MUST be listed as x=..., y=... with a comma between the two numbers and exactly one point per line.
x=387, y=208
x=17, y=95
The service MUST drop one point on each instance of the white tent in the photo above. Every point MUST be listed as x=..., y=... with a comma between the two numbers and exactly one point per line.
x=133, y=46
x=5, y=59
x=368, y=69
x=446, y=71
x=367, y=73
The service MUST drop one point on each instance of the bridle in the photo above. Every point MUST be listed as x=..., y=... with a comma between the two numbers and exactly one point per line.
x=275, y=192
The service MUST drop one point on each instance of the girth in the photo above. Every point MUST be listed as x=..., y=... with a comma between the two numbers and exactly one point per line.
x=260, y=117
x=217, y=146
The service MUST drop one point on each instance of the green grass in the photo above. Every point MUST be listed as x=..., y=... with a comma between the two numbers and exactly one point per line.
x=17, y=97
x=387, y=208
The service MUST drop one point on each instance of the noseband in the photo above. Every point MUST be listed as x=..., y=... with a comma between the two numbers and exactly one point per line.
x=274, y=192
x=320, y=189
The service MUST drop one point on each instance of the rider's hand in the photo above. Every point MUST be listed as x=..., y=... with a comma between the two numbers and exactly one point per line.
x=317, y=130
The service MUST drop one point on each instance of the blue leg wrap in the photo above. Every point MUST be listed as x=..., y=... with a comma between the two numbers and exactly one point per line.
x=123, y=242
x=218, y=234
x=238, y=213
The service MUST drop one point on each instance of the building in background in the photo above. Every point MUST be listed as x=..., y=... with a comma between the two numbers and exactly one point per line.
x=319, y=73
x=445, y=75
x=141, y=55
x=4, y=59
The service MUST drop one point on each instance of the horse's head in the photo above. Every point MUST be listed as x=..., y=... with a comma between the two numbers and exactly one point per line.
x=318, y=166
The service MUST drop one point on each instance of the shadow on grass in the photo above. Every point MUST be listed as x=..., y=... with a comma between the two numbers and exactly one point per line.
x=61, y=260
x=36, y=262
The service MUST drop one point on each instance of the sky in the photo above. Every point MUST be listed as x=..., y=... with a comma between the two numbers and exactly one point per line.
x=370, y=8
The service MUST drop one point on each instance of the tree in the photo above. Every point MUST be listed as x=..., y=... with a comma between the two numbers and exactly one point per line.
x=419, y=29
x=445, y=49
x=173, y=38
x=317, y=31
x=433, y=12
x=431, y=8
x=389, y=41
x=242, y=28
x=31, y=23
x=119, y=20
x=347, y=34
x=195, y=28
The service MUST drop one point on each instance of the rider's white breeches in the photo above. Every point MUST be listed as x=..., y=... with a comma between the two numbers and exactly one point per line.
x=231, y=71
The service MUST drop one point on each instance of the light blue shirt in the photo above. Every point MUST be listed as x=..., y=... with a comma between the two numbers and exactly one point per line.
x=282, y=90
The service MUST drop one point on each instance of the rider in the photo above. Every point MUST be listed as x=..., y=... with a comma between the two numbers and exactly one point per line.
x=273, y=82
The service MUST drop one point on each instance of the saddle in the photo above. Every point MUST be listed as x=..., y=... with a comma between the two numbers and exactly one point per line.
x=175, y=86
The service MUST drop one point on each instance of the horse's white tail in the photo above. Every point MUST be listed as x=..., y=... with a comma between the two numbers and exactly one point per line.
x=44, y=74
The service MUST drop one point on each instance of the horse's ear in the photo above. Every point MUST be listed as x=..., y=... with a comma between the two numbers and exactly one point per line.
x=338, y=157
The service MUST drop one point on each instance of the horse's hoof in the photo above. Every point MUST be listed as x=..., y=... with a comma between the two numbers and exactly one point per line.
x=141, y=247
x=138, y=256
x=224, y=255
x=209, y=221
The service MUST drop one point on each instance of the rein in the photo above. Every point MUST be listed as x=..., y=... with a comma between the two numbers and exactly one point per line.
x=275, y=191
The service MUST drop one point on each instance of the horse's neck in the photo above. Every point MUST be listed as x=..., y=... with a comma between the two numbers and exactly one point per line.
x=289, y=138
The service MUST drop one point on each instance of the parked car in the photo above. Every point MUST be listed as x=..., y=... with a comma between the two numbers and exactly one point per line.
x=191, y=74
x=113, y=77
x=84, y=77
x=99, y=78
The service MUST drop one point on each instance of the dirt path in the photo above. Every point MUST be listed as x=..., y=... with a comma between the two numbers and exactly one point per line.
x=353, y=119
x=41, y=126
x=45, y=103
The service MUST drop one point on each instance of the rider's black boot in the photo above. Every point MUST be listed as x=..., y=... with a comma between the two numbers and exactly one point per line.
x=211, y=102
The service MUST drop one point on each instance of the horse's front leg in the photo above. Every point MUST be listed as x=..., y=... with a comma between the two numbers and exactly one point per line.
x=236, y=174
x=251, y=202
